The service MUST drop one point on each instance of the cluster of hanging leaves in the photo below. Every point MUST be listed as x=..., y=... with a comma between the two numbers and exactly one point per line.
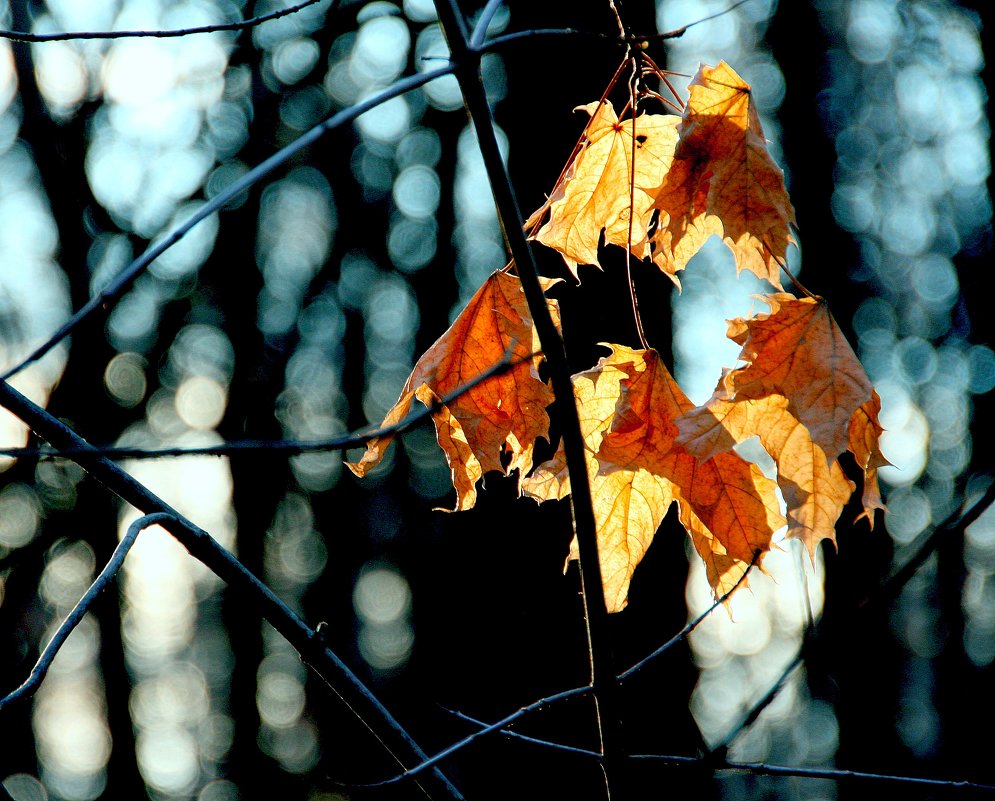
x=660, y=185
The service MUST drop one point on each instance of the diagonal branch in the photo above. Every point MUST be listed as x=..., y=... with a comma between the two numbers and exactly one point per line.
x=106, y=576
x=268, y=447
x=18, y=36
x=833, y=774
x=459, y=745
x=257, y=595
x=103, y=300
x=690, y=626
x=955, y=524
x=514, y=735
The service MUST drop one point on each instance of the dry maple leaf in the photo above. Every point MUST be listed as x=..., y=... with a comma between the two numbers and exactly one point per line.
x=798, y=351
x=628, y=403
x=494, y=424
x=806, y=397
x=595, y=193
x=863, y=441
x=814, y=489
x=723, y=181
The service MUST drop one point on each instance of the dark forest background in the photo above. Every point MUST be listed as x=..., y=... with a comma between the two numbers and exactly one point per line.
x=304, y=311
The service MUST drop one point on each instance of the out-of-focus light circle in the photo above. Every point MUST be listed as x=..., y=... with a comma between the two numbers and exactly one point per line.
x=381, y=50
x=917, y=360
x=420, y=146
x=304, y=108
x=20, y=513
x=74, y=731
x=67, y=574
x=25, y=787
x=139, y=71
x=280, y=698
x=981, y=361
x=908, y=226
x=386, y=647
x=388, y=122
x=219, y=790
x=874, y=27
x=381, y=596
x=966, y=157
x=935, y=279
x=189, y=253
x=167, y=758
x=908, y=514
x=411, y=244
x=294, y=58
x=431, y=50
x=61, y=74
x=124, y=379
x=416, y=191
x=419, y=10
x=853, y=207
x=200, y=402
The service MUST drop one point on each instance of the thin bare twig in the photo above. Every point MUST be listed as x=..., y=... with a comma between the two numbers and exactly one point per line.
x=954, y=524
x=833, y=774
x=473, y=737
x=103, y=300
x=483, y=22
x=257, y=595
x=269, y=447
x=567, y=749
x=106, y=576
x=18, y=36
x=757, y=709
x=677, y=33
x=690, y=626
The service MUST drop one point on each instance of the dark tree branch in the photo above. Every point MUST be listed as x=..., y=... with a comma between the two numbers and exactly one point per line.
x=471, y=738
x=833, y=774
x=269, y=447
x=514, y=735
x=467, y=71
x=106, y=576
x=689, y=627
x=103, y=300
x=311, y=646
x=18, y=36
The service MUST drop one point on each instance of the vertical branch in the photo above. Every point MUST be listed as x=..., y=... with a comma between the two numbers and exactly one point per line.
x=465, y=60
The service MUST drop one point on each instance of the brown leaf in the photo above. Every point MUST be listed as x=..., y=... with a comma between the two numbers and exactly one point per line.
x=723, y=181
x=863, y=442
x=595, y=194
x=493, y=425
x=814, y=489
x=799, y=352
x=627, y=404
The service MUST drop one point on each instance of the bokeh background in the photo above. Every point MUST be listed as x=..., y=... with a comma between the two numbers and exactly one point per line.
x=297, y=313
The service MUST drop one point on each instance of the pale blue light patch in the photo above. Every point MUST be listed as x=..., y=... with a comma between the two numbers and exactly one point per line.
x=380, y=51
x=873, y=29
x=982, y=367
x=294, y=58
x=431, y=51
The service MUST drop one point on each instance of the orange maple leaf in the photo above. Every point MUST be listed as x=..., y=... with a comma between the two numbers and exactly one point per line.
x=595, y=193
x=814, y=490
x=494, y=424
x=723, y=181
x=806, y=397
x=628, y=403
x=798, y=351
